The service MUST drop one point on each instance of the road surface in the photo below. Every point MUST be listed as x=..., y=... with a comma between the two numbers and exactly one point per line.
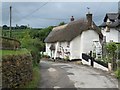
x=67, y=75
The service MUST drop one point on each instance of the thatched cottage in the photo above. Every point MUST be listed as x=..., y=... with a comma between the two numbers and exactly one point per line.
x=72, y=39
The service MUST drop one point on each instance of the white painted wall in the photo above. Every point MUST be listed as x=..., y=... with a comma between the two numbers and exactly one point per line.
x=119, y=37
x=112, y=35
x=87, y=38
x=61, y=46
x=48, y=51
x=75, y=48
x=56, y=49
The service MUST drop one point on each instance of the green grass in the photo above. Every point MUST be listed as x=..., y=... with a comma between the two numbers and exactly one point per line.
x=36, y=79
x=14, y=52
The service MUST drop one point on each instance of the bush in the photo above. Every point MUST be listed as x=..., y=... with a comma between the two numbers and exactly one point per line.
x=34, y=46
x=117, y=73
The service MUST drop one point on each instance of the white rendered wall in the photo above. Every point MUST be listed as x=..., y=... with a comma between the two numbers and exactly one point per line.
x=119, y=37
x=87, y=38
x=48, y=51
x=112, y=35
x=56, y=49
x=75, y=48
x=61, y=46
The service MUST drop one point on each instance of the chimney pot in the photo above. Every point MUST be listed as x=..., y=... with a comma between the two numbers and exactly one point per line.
x=72, y=18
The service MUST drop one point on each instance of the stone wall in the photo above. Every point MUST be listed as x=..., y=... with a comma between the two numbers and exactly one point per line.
x=16, y=70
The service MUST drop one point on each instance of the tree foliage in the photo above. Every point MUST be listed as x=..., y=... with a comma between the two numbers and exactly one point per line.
x=111, y=53
x=5, y=27
x=111, y=47
x=41, y=34
x=61, y=23
x=34, y=46
x=31, y=39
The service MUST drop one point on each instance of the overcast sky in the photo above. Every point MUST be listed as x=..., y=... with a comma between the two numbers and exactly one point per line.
x=42, y=14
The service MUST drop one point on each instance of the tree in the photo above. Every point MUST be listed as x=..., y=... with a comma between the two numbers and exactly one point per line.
x=34, y=46
x=61, y=23
x=5, y=27
x=23, y=27
x=111, y=48
x=118, y=51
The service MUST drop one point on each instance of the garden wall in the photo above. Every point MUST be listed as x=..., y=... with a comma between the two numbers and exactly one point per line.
x=16, y=70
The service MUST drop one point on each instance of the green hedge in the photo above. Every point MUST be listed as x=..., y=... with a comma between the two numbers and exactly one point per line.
x=16, y=70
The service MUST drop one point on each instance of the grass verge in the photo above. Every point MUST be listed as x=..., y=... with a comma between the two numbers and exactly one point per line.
x=14, y=52
x=36, y=78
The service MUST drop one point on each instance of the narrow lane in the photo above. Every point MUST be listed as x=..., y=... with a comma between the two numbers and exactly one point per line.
x=53, y=76
x=66, y=75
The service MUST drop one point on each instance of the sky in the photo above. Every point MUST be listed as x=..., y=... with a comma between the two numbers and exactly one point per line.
x=44, y=14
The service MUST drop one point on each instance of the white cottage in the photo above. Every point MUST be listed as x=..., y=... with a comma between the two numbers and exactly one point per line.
x=73, y=39
x=111, y=27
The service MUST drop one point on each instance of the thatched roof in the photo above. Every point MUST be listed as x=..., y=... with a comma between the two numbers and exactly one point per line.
x=70, y=31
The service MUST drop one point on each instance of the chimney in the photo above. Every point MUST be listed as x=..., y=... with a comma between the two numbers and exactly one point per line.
x=89, y=19
x=72, y=18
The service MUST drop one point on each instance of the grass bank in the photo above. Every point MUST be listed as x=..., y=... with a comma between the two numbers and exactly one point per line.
x=14, y=52
x=36, y=78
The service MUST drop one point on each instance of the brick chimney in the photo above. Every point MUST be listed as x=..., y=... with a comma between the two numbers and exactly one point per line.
x=89, y=19
x=72, y=18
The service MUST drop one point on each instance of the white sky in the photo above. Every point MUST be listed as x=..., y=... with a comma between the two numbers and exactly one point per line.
x=43, y=14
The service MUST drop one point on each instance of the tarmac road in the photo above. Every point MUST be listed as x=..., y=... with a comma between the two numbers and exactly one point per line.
x=67, y=75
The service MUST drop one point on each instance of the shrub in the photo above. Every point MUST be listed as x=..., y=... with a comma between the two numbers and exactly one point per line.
x=117, y=73
x=34, y=46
